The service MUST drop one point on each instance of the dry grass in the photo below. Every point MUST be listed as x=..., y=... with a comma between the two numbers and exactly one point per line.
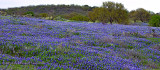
x=79, y=42
x=61, y=48
x=157, y=47
x=106, y=39
x=148, y=35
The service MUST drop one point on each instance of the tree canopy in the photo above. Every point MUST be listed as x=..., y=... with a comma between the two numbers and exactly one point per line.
x=140, y=14
x=110, y=12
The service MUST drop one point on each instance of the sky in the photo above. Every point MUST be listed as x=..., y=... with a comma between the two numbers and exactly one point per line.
x=150, y=5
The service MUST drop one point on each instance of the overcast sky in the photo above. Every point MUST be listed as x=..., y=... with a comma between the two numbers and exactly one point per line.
x=152, y=5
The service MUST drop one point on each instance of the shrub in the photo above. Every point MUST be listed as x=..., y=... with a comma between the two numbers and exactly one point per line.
x=29, y=13
x=3, y=13
x=43, y=15
x=80, y=18
x=155, y=21
x=59, y=18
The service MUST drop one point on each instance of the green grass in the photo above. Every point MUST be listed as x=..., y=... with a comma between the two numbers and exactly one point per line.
x=76, y=33
x=50, y=28
x=130, y=47
x=24, y=34
x=146, y=42
x=17, y=67
x=155, y=40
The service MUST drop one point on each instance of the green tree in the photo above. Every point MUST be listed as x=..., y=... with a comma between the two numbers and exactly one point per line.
x=111, y=7
x=155, y=21
x=121, y=15
x=132, y=15
x=110, y=12
x=142, y=15
x=99, y=14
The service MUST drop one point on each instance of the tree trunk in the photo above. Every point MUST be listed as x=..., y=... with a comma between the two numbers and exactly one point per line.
x=134, y=21
x=141, y=20
x=103, y=22
x=111, y=22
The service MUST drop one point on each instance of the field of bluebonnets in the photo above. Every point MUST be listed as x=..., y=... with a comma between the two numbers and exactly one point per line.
x=31, y=44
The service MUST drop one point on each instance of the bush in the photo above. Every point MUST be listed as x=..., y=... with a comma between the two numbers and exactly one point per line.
x=3, y=13
x=59, y=18
x=80, y=18
x=155, y=21
x=29, y=13
x=43, y=15
x=75, y=17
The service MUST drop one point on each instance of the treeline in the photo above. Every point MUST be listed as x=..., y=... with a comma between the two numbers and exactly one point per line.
x=109, y=12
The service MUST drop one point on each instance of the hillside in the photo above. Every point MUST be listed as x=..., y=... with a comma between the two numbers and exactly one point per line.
x=50, y=9
x=29, y=43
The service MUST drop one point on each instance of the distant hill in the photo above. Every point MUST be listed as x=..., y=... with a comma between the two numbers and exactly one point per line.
x=50, y=9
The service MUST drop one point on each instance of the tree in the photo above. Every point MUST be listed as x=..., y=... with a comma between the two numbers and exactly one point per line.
x=132, y=15
x=111, y=7
x=155, y=21
x=99, y=14
x=143, y=15
x=121, y=15
x=140, y=14
x=110, y=12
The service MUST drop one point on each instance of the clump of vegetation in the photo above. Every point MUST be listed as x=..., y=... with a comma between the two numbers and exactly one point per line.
x=10, y=49
x=29, y=13
x=80, y=18
x=155, y=40
x=59, y=18
x=76, y=33
x=133, y=54
x=155, y=21
x=62, y=49
x=38, y=26
x=157, y=47
x=44, y=15
x=149, y=64
x=136, y=34
x=3, y=13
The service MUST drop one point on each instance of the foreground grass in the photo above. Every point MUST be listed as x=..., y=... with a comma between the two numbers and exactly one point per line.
x=17, y=67
x=155, y=40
